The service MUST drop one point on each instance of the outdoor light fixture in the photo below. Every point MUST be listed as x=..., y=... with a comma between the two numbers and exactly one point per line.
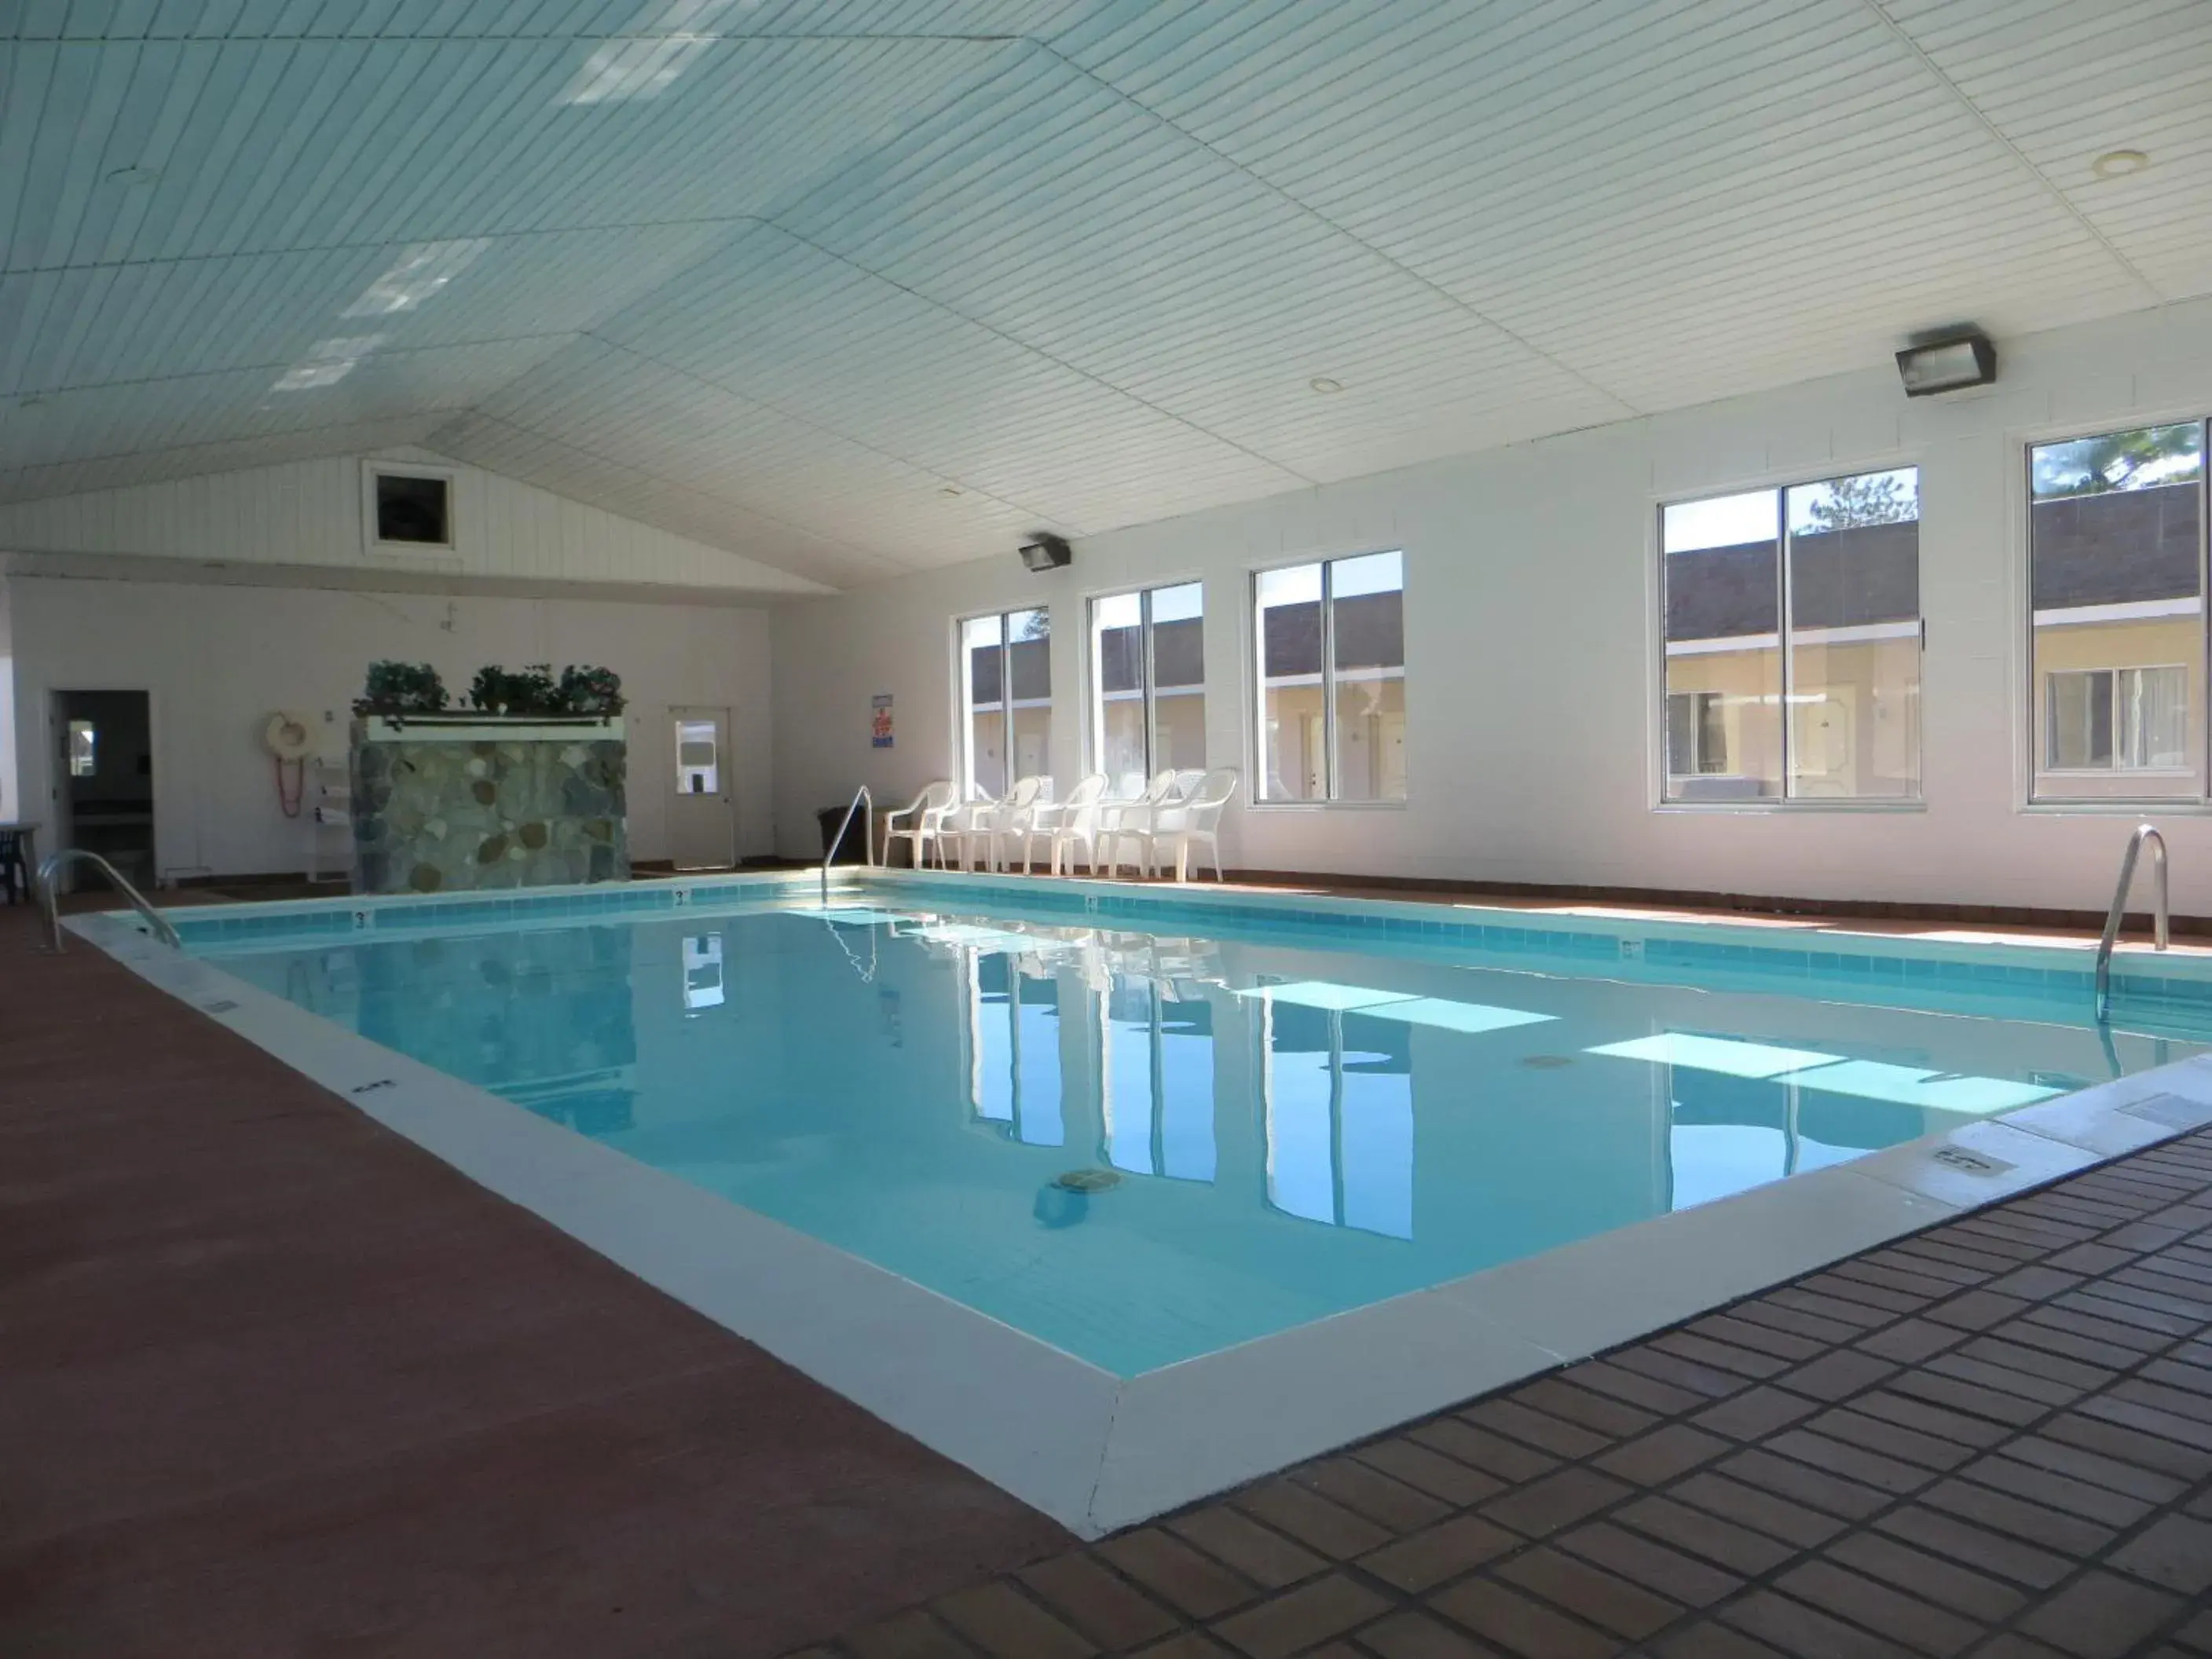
x=1947, y=364
x=1047, y=552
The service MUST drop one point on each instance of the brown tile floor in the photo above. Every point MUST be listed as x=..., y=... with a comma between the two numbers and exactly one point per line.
x=273, y=1382
x=1993, y=1438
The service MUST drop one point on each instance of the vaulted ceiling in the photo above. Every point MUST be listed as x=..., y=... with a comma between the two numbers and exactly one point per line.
x=857, y=287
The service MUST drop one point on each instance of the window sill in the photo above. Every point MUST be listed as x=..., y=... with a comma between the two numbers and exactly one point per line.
x=1789, y=808
x=2120, y=807
x=1326, y=806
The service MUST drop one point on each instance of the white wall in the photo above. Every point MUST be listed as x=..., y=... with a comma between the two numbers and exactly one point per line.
x=309, y=514
x=218, y=661
x=1530, y=646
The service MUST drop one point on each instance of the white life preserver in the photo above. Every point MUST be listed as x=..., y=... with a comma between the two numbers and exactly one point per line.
x=289, y=737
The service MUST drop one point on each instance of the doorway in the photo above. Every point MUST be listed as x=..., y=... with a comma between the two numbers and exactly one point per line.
x=103, y=781
x=702, y=819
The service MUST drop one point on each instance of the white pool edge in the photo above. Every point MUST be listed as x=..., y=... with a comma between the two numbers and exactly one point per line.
x=1096, y=1452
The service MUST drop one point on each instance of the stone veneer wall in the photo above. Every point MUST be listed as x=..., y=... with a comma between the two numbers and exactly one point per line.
x=454, y=812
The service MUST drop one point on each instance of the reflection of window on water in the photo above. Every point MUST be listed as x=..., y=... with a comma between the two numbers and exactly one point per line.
x=83, y=748
x=1157, y=1082
x=1732, y=1132
x=698, y=764
x=1340, y=1118
x=702, y=972
x=1013, y=1050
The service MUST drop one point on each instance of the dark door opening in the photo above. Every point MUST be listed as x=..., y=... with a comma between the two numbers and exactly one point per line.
x=103, y=781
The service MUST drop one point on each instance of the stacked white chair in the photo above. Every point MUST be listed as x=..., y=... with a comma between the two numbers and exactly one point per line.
x=1179, y=827
x=928, y=814
x=1131, y=820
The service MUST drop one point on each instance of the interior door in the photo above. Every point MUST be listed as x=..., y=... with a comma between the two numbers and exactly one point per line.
x=702, y=817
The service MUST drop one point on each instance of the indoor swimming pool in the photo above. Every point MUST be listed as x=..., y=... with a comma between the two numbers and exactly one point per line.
x=1148, y=1136
x=1141, y=1146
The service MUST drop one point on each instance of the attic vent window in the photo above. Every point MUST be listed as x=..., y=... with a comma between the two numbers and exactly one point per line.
x=409, y=511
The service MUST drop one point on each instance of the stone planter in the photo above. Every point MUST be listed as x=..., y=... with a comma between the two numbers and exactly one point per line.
x=465, y=803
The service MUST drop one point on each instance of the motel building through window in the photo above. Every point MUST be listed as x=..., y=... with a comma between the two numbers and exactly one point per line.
x=1148, y=685
x=1332, y=666
x=2116, y=550
x=1827, y=707
x=1005, y=687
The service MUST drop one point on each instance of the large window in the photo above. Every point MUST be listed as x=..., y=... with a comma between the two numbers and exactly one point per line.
x=1827, y=707
x=1148, y=683
x=1331, y=641
x=1005, y=692
x=2115, y=557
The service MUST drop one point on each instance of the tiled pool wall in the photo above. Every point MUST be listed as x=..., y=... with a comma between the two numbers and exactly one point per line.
x=2184, y=984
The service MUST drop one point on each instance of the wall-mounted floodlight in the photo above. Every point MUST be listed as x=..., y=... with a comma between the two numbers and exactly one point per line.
x=1947, y=364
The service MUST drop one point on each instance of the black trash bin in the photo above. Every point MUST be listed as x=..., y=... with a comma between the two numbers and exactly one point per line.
x=854, y=849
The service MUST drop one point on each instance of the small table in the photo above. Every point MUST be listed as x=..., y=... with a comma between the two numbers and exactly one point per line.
x=18, y=856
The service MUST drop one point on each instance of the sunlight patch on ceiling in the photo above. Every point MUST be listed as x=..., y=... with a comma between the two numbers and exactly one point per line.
x=417, y=275
x=327, y=362
x=644, y=63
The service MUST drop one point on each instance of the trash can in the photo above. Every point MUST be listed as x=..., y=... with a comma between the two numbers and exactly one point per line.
x=854, y=849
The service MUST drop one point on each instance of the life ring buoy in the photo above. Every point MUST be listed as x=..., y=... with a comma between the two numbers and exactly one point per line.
x=289, y=737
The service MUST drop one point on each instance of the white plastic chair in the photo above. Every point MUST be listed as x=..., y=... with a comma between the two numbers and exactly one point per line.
x=967, y=826
x=928, y=811
x=1077, y=821
x=1017, y=814
x=1133, y=819
x=1186, y=785
x=1181, y=825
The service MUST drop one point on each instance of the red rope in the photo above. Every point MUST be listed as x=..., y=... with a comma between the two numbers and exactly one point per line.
x=290, y=802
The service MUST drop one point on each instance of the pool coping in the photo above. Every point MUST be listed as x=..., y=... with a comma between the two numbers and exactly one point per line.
x=1097, y=1452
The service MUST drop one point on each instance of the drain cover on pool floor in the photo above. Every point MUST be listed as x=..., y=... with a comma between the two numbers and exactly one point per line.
x=1088, y=1181
x=1548, y=1062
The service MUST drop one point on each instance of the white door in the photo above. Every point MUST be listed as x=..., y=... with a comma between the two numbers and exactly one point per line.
x=702, y=819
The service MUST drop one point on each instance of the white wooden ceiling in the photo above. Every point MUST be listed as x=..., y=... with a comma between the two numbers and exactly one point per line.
x=855, y=287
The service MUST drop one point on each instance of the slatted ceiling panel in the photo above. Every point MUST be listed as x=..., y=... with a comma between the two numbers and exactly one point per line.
x=99, y=422
x=1009, y=209
x=2067, y=81
x=1623, y=238
x=1078, y=258
x=633, y=411
x=274, y=144
x=481, y=440
x=92, y=325
x=284, y=19
x=774, y=320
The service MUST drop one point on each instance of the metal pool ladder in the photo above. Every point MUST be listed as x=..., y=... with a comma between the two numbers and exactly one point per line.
x=54, y=862
x=2159, y=920
x=861, y=798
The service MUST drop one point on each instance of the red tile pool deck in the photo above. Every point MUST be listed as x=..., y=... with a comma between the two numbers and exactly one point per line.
x=273, y=1381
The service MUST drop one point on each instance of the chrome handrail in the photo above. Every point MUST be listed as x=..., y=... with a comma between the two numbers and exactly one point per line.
x=868, y=844
x=53, y=861
x=2160, y=922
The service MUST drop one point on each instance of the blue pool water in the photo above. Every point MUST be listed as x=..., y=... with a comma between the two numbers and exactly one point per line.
x=1297, y=1128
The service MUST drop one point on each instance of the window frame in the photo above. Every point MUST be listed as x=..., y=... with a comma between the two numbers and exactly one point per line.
x=964, y=730
x=374, y=545
x=1255, y=685
x=2027, y=706
x=1094, y=689
x=1656, y=642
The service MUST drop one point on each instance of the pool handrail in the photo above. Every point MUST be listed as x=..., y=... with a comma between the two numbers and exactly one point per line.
x=861, y=797
x=2160, y=920
x=54, y=862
